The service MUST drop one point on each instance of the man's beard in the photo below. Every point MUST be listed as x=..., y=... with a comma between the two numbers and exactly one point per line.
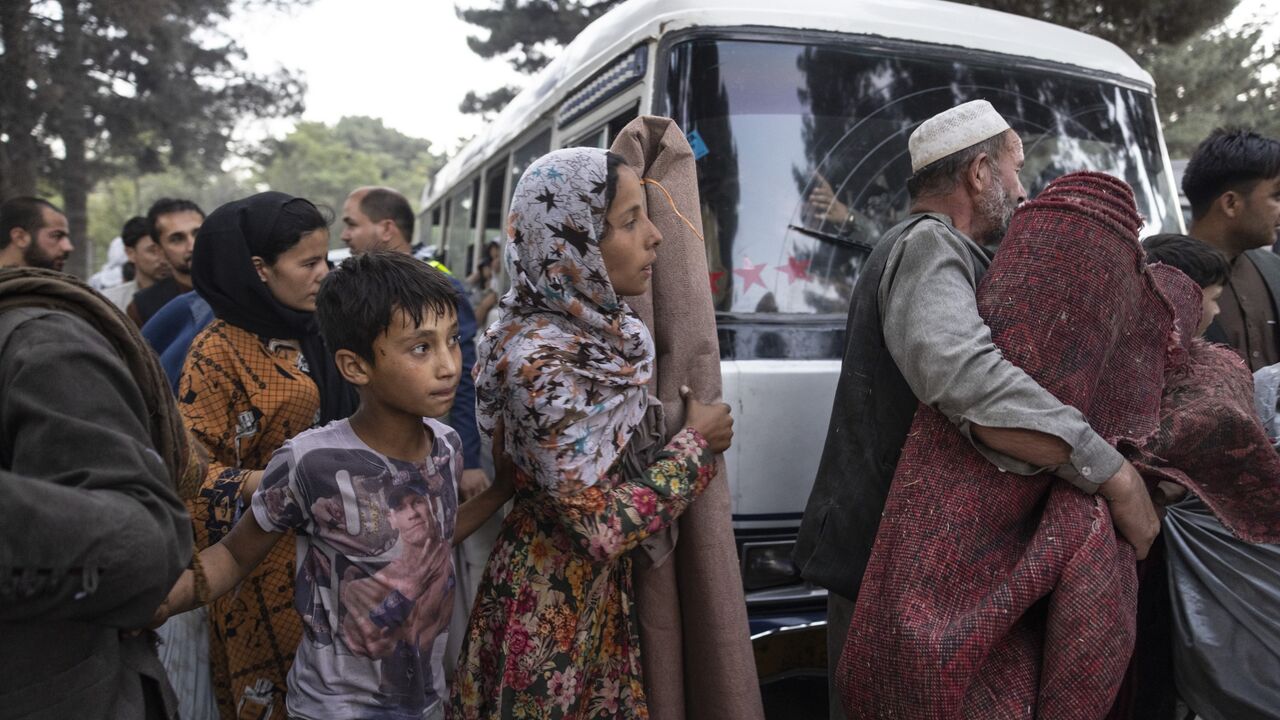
x=35, y=257
x=996, y=208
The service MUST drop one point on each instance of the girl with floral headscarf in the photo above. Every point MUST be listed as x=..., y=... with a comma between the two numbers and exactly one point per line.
x=562, y=379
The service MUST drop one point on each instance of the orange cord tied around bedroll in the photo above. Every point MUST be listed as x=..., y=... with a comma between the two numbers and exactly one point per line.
x=674, y=209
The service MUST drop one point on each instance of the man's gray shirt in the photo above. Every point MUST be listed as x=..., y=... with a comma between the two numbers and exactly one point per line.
x=932, y=329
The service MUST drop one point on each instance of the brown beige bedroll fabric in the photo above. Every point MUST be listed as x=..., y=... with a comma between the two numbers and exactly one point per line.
x=694, y=638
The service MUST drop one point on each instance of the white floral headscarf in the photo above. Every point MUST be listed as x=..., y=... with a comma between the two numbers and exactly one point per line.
x=567, y=362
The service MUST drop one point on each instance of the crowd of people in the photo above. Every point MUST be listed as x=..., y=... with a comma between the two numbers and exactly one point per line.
x=241, y=482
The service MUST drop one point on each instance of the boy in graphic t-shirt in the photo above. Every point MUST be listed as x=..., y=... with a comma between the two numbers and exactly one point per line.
x=373, y=500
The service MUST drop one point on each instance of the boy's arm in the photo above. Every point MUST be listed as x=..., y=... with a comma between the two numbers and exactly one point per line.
x=225, y=565
x=474, y=512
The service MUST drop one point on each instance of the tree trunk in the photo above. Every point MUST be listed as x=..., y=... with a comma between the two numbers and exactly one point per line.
x=75, y=168
x=19, y=152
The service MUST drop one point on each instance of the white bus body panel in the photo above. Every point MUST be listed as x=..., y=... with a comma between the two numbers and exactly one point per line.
x=772, y=464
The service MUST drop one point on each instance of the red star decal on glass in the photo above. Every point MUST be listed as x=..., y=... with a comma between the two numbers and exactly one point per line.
x=715, y=280
x=750, y=274
x=795, y=269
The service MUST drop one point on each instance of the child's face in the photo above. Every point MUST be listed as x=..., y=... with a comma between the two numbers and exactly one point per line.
x=1208, y=306
x=416, y=368
x=630, y=244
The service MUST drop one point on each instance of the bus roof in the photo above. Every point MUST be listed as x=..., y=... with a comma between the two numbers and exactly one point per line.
x=927, y=21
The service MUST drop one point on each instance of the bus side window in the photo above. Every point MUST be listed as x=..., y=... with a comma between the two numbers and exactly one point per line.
x=494, y=195
x=435, y=232
x=458, y=237
x=524, y=155
x=619, y=121
x=596, y=138
x=602, y=136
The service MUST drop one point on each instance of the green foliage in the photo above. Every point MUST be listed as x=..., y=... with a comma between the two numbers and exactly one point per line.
x=1131, y=25
x=1216, y=79
x=118, y=198
x=524, y=31
x=488, y=104
x=90, y=89
x=320, y=162
x=324, y=163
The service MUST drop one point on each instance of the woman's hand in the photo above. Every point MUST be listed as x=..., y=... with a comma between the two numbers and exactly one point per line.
x=713, y=422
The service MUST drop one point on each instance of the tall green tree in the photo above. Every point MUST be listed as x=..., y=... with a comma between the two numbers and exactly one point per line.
x=1134, y=26
x=1217, y=78
x=92, y=88
x=525, y=33
x=324, y=163
x=119, y=197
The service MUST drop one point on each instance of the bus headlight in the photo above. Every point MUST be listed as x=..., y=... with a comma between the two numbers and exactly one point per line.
x=768, y=564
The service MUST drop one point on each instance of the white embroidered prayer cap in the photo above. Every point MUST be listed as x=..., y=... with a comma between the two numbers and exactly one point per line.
x=953, y=130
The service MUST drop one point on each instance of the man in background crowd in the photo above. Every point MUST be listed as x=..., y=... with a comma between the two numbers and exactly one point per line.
x=173, y=224
x=33, y=233
x=149, y=263
x=1233, y=184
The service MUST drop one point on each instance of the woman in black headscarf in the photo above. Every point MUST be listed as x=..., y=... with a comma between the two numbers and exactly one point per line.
x=255, y=377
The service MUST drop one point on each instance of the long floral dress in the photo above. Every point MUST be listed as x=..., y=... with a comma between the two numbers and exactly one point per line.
x=554, y=630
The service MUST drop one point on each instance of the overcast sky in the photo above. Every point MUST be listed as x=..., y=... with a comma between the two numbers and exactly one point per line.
x=407, y=61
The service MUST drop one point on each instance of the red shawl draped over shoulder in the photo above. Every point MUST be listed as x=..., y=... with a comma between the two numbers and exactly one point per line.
x=994, y=595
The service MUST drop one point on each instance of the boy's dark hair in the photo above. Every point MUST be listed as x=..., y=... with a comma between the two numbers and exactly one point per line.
x=1228, y=160
x=358, y=299
x=1199, y=261
x=297, y=217
x=168, y=206
x=380, y=204
x=135, y=228
x=24, y=212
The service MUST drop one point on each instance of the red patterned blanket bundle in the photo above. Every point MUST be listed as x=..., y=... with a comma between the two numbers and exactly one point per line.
x=994, y=595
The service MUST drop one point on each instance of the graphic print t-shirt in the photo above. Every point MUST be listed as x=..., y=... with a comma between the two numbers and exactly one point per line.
x=375, y=570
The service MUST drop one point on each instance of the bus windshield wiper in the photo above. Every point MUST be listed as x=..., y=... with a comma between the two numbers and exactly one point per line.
x=832, y=238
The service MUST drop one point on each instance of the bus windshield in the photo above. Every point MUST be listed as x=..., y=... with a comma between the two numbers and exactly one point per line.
x=779, y=127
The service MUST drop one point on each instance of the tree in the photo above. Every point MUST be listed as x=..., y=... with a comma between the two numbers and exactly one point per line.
x=488, y=104
x=524, y=31
x=1218, y=78
x=1134, y=26
x=91, y=88
x=119, y=197
x=324, y=163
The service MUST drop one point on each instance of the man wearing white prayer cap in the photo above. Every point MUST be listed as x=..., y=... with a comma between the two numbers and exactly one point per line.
x=914, y=335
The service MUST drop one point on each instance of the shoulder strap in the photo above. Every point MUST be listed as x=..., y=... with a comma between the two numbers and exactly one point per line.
x=1268, y=264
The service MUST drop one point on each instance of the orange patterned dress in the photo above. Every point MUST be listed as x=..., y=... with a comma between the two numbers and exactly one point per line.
x=243, y=396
